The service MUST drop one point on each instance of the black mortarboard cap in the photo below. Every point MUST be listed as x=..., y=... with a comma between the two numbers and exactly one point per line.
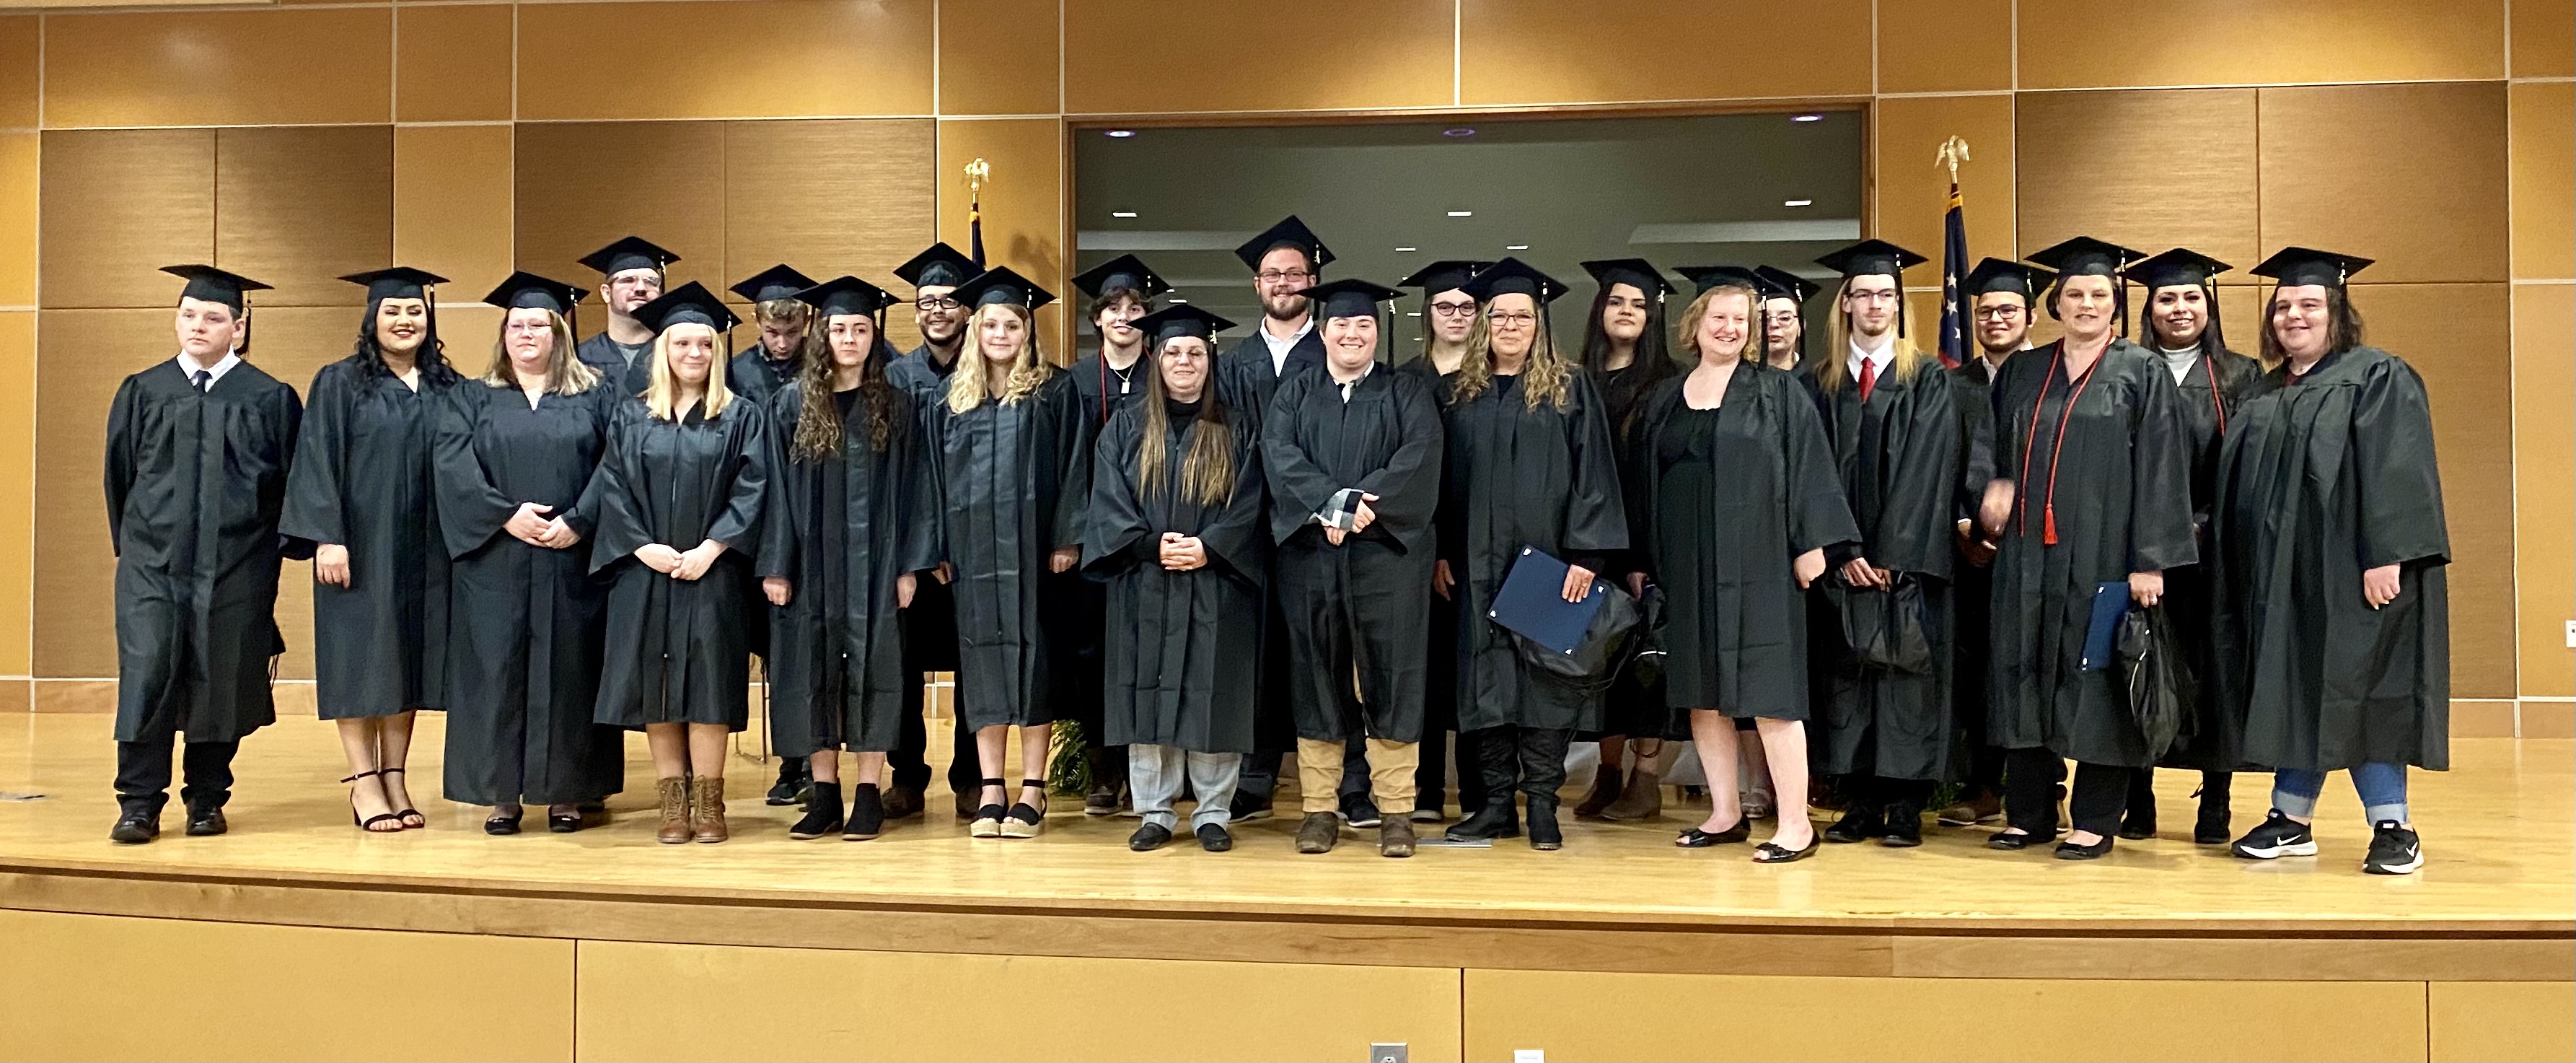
x=938, y=266
x=214, y=285
x=1350, y=298
x=397, y=282
x=1125, y=272
x=2084, y=256
x=1000, y=285
x=1779, y=283
x=1448, y=274
x=2179, y=267
x=1180, y=319
x=689, y=303
x=629, y=252
x=844, y=295
x=2294, y=266
x=1513, y=275
x=1870, y=257
x=777, y=282
x=1704, y=278
x=1632, y=271
x=1288, y=233
x=1997, y=275
x=527, y=290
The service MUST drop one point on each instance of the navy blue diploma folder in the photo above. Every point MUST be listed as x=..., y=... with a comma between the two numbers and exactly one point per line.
x=1532, y=602
x=2110, y=603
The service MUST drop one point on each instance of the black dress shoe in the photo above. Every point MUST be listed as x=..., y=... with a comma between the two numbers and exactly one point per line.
x=502, y=826
x=1903, y=829
x=2095, y=851
x=1696, y=838
x=1544, y=835
x=136, y=826
x=206, y=822
x=1148, y=838
x=1857, y=824
x=2018, y=842
x=563, y=822
x=1214, y=838
x=1496, y=820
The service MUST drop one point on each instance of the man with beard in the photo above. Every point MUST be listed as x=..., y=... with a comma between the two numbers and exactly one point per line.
x=631, y=272
x=930, y=625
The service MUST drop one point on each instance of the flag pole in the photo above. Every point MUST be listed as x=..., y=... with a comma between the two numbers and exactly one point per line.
x=977, y=172
x=1955, y=310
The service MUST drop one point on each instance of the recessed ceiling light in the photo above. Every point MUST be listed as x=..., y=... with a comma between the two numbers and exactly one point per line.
x=1122, y=134
x=1798, y=203
x=1178, y=299
x=1799, y=118
x=1462, y=214
x=1458, y=132
x=1408, y=249
x=1515, y=247
x=1122, y=214
x=1413, y=313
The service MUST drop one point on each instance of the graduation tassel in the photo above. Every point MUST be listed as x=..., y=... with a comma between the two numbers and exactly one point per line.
x=2048, y=524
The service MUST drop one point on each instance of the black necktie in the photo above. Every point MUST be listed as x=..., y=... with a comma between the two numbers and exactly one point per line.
x=204, y=381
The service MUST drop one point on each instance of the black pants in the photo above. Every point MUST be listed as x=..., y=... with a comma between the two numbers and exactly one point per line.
x=2214, y=787
x=1891, y=798
x=1260, y=775
x=1985, y=771
x=143, y=771
x=907, y=762
x=2031, y=778
x=1431, y=777
x=1530, y=759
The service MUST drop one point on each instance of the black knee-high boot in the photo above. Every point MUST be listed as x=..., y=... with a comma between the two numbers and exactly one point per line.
x=1497, y=768
x=1541, y=753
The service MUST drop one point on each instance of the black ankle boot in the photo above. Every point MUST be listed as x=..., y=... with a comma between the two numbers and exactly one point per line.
x=1543, y=832
x=2212, y=826
x=867, y=813
x=822, y=812
x=1860, y=822
x=1496, y=820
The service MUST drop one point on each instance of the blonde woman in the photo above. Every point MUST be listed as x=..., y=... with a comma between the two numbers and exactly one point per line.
x=1528, y=464
x=1009, y=446
x=680, y=494
x=514, y=454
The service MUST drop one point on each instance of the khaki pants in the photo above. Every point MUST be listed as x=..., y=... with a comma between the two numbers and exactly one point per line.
x=1391, y=767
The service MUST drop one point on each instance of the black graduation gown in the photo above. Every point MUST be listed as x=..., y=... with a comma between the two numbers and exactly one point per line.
x=679, y=650
x=1906, y=463
x=1175, y=642
x=1972, y=585
x=930, y=624
x=842, y=530
x=1097, y=391
x=362, y=480
x=1513, y=477
x=2319, y=481
x=2123, y=504
x=606, y=355
x=195, y=484
x=1631, y=706
x=1728, y=498
x=1011, y=481
x=2210, y=393
x=752, y=375
x=1372, y=594
x=525, y=621
x=1440, y=665
x=1246, y=382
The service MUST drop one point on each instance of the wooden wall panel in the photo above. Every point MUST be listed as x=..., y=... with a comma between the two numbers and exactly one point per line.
x=2411, y=175
x=1957, y=46
x=278, y=992
x=831, y=198
x=2478, y=1021
x=1022, y=207
x=2544, y=453
x=21, y=172
x=745, y=59
x=300, y=207
x=1913, y=191
x=2544, y=179
x=2544, y=38
x=219, y=67
x=452, y=209
x=2221, y=42
x=17, y=488
x=84, y=353
x=119, y=205
x=581, y=185
x=1332, y=55
x=1809, y=1018
x=1543, y=52
x=1272, y=1010
x=2148, y=170
x=452, y=64
x=19, y=43
x=999, y=56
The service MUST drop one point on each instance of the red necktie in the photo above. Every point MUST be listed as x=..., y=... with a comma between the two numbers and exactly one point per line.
x=1868, y=378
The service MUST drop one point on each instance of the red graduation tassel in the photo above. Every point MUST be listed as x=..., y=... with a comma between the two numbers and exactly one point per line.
x=2048, y=525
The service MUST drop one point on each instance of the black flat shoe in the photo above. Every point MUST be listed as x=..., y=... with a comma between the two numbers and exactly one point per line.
x=1148, y=838
x=2095, y=851
x=1772, y=853
x=206, y=822
x=1696, y=838
x=1215, y=839
x=2017, y=842
x=563, y=822
x=499, y=826
x=135, y=827
x=1856, y=825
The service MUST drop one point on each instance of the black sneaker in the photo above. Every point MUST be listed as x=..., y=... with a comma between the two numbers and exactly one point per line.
x=1359, y=812
x=2394, y=850
x=2279, y=836
x=795, y=783
x=1248, y=807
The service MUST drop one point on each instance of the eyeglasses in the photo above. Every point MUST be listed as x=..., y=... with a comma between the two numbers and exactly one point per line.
x=1998, y=313
x=1884, y=295
x=1276, y=276
x=529, y=326
x=936, y=303
x=1453, y=309
x=1511, y=320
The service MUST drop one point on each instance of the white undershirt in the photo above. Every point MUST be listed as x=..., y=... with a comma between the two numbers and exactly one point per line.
x=1279, y=348
x=213, y=372
x=1877, y=360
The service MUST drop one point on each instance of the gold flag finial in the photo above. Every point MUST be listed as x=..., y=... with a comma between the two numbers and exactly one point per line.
x=1953, y=152
x=978, y=172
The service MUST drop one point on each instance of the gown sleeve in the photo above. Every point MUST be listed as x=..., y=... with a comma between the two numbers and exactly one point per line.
x=2400, y=484
x=1408, y=485
x=1298, y=487
x=120, y=462
x=610, y=497
x=314, y=482
x=286, y=423
x=934, y=469
x=738, y=524
x=1595, y=519
x=1976, y=444
x=470, y=510
x=1917, y=519
x=1232, y=535
x=2160, y=526
x=1638, y=476
x=1818, y=515
x=917, y=507
x=609, y=413
x=781, y=519
x=1118, y=525
x=1072, y=430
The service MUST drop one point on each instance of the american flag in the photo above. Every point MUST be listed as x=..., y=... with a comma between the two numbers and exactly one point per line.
x=1954, y=273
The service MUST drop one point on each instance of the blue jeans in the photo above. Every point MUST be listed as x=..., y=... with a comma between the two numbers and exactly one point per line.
x=2382, y=788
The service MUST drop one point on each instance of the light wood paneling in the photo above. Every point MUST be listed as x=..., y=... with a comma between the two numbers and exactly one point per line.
x=452, y=64
x=21, y=173
x=581, y=185
x=999, y=56
x=2544, y=453
x=2544, y=38
x=17, y=491
x=1142, y=1010
x=19, y=43
x=2220, y=42
x=1542, y=52
x=2148, y=170
x=1326, y=55
x=2483, y=719
x=270, y=992
x=219, y=67
x=452, y=209
x=2548, y=719
x=84, y=353
x=1022, y=205
x=2472, y=1023
x=748, y=59
x=1810, y=1018
x=2544, y=179
x=831, y=198
x=2410, y=175
x=1956, y=46
x=119, y=205
x=17, y=695
x=299, y=208
x=1913, y=193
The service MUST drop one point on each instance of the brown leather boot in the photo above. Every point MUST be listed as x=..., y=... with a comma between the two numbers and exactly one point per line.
x=674, y=793
x=707, y=815
x=1643, y=799
x=1395, y=836
x=1320, y=830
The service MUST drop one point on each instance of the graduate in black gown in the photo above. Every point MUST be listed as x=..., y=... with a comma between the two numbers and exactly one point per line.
x=197, y=454
x=843, y=545
x=1352, y=453
x=1109, y=379
x=361, y=493
x=930, y=623
x=1624, y=354
x=2093, y=494
x=1909, y=477
x=681, y=494
x=513, y=455
x=1448, y=323
x=1527, y=464
x=1178, y=533
x=2182, y=330
x=786, y=330
x=1009, y=451
x=1784, y=315
x=2333, y=626
x=1732, y=482
x=631, y=272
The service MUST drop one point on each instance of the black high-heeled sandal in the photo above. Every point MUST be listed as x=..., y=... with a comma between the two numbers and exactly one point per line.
x=368, y=824
x=1024, y=821
x=988, y=817
x=411, y=817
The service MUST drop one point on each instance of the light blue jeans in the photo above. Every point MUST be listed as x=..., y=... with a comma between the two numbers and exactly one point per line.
x=2382, y=787
x=1154, y=776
